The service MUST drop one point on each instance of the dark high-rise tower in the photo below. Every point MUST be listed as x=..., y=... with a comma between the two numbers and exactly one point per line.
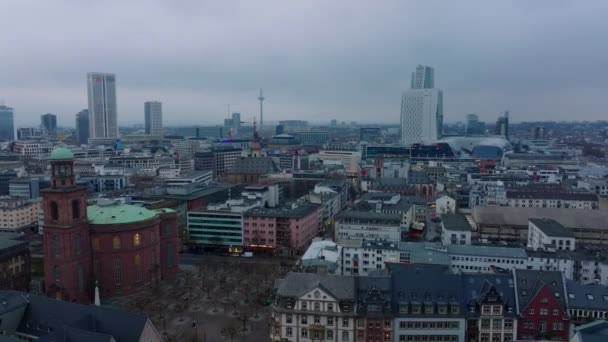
x=48, y=122
x=82, y=127
x=7, y=128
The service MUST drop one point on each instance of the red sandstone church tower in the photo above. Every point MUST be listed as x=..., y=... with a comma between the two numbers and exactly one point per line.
x=67, y=247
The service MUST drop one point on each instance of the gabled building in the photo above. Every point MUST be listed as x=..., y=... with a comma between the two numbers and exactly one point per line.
x=373, y=309
x=490, y=307
x=312, y=307
x=541, y=305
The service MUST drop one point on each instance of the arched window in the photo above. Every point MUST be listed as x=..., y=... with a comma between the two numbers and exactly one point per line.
x=344, y=335
x=137, y=262
x=54, y=211
x=317, y=306
x=56, y=246
x=80, y=278
x=77, y=244
x=57, y=275
x=75, y=209
x=116, y=242
x=117, y=272
x=136, y=239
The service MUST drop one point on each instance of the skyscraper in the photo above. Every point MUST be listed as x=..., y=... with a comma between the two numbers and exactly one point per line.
x=236, y=123
x=48, y=122
x=154, y=118
x=502, y=125
x=82, y=127
x=421, y=109
x=7, y=128
x=474, y=126
x=103, y=117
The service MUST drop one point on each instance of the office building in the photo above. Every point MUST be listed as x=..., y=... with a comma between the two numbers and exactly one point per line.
x=421, y=109
x=25, y=133
x=48, y=123
x=154, y=118
x=236, y=123
x=103, y=116
x=7, y=127
x=502, y=125
x=82, y=127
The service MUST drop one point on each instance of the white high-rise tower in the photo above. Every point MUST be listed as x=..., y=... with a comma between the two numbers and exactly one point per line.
x=103, y=117
x=261, y=98
x=421, y=108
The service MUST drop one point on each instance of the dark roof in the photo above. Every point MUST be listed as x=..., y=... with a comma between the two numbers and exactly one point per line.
x=558, y=195
x=593, y=332
x=456, y=222
x=368, y=215
x=530, y=282
x=551, y=227
x=298, y=284
x=587, y=297
x=477, y=286
x=418, y=177
x=374, y=290
x=252, y=165
x=286, y=211
x=55, y=319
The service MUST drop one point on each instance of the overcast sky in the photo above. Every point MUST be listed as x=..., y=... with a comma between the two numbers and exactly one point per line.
x=316, y=60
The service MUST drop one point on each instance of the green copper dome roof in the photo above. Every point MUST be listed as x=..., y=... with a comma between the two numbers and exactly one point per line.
x=62, y=153
x=117, y=213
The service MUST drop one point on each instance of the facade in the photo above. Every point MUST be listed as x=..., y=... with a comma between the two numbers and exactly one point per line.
x=18, y=214
x=547, y=199
x=311, y=307
x=349, y=159
x=103, y=113
x=587, y=302
x=7, y=127
x=82, y=127
x=48, y=122
x=28, y=149
x=548, y=234
x=485, y=259
x=25, y=187
x=236, y=123
x=154, y=118
x=455, y=229
x=314, y=137
x=15, y=263
x=421, y=109
x=541, y=305
x=285, y=230
x=353, y=224
x=122, y=248
x=25, y=133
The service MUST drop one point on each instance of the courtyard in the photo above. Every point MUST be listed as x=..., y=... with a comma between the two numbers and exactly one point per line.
x=212, y=299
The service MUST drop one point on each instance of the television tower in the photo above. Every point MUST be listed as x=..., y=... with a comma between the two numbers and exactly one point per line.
x=261, y=99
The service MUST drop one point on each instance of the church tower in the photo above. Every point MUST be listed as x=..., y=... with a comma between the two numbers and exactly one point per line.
x=67, y=247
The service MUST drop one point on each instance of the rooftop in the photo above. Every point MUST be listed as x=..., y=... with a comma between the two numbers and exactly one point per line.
x=455, y=222
x=551, y=227
x=117, y=213
x=286, y=211
x=588, y=297
x=488, y=251
x=518, y=216
x=298, y=284
x=61, y=153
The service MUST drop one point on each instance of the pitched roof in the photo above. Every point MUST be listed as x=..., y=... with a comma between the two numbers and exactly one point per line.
x=551, y=227
x=297, y=284
x=587, y=297
x=455, y=222
x=476, y=286
x=530, y=282
x=593, y=332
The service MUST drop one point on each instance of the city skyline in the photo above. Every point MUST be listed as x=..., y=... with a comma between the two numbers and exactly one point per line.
x=353, y=72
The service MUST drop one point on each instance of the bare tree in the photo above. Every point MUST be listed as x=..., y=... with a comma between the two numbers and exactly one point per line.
x=229, y=331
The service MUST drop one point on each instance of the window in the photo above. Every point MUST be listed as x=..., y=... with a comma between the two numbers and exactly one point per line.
x=57, y=275
x=117, y=272
x=485, y=324
x=56, y=246
x=288, y=319
x=496, y=310
x=330, y=307
x=345, y=322
x=544, y=312
x=289, y=331
x=169, y=255
x=508, y=324
x=531, y=311
x=116, y=242
x=168, y=230
x=330, y=334
x=75, y=209
x=543, y=326
x=137, y=262
x=486, y=309
x=77, y=244
x=555, y=312
x=304, y=306
x=304, y=319
x=330, y=321
x=558, y=326
x=496, y=324
x=80, y=274
x=344, y=335
x=136, y=239
x=96, y=244
x=54, y=211
x=304, y=332
x=317, y=306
